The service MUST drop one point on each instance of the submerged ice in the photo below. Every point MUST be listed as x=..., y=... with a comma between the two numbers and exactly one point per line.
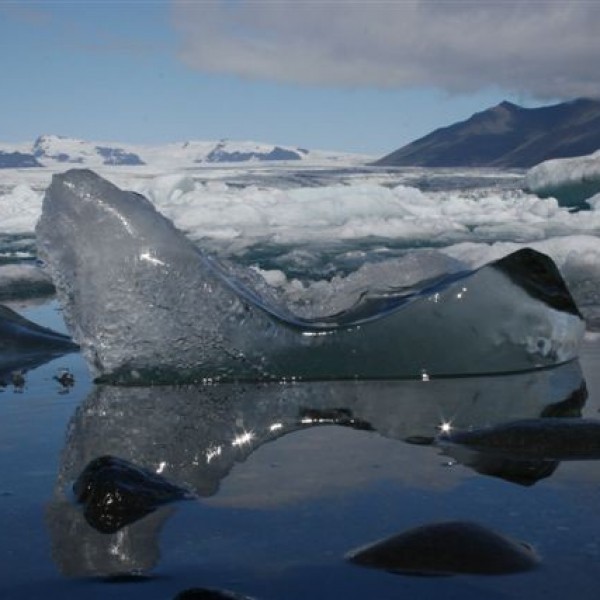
x=147, y=305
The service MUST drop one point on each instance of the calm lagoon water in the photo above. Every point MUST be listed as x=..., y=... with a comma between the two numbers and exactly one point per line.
x=288, y=478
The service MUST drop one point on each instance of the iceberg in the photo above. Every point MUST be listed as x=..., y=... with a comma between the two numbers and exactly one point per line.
x=571, y=181
x=148, y=306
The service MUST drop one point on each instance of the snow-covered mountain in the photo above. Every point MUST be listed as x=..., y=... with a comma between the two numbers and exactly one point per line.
x=50, y=149
x=56, y=151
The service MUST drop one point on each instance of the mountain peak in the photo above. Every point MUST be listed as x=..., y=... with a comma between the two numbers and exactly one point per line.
x=507, y=135
x=505, y=104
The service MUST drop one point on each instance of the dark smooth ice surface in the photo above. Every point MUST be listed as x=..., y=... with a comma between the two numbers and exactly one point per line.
x=289, y=479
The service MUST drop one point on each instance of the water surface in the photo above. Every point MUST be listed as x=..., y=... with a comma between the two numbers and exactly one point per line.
x=288, y=479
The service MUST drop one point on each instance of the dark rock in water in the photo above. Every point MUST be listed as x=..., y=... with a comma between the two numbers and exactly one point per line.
x=116, y=493
x=65, y=378
x=448, y=548
x=553, y=438
x=208, y=594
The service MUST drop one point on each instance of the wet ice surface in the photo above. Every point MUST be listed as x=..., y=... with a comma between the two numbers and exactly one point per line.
x=289, y=479
x=152, y=308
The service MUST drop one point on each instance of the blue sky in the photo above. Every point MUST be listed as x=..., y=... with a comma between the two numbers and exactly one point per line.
x=330, y=75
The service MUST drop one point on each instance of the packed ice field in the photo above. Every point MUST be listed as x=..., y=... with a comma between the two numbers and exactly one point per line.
x=324, y=231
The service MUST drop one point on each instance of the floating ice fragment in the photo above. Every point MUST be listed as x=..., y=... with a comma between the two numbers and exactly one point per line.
x=571, y=180
x=186, y=316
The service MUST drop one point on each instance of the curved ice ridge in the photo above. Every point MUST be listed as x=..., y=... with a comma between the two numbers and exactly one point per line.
x=24, y=344
x=146, y=305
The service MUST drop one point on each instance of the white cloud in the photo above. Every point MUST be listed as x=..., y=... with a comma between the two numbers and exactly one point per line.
x=545, y=48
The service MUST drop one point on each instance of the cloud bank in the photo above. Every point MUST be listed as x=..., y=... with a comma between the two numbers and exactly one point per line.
x=545, y=49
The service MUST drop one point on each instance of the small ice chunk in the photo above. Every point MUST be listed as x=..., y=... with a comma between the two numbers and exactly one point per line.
x=571, y=180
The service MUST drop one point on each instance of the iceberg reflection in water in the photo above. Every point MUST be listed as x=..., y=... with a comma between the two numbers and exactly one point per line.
x=25, y=345
x=193, y=436
x=150, y=307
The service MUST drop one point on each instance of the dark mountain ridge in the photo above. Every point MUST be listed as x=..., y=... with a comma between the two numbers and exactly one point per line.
x=507, y=135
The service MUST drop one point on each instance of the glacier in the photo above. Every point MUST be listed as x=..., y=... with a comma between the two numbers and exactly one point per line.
x=56, y=151
x=146, y=305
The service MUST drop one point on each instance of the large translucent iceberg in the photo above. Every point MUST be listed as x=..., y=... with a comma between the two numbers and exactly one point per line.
x=146, y=304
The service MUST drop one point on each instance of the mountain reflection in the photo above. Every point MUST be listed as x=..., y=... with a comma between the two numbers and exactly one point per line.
x=194, y=435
